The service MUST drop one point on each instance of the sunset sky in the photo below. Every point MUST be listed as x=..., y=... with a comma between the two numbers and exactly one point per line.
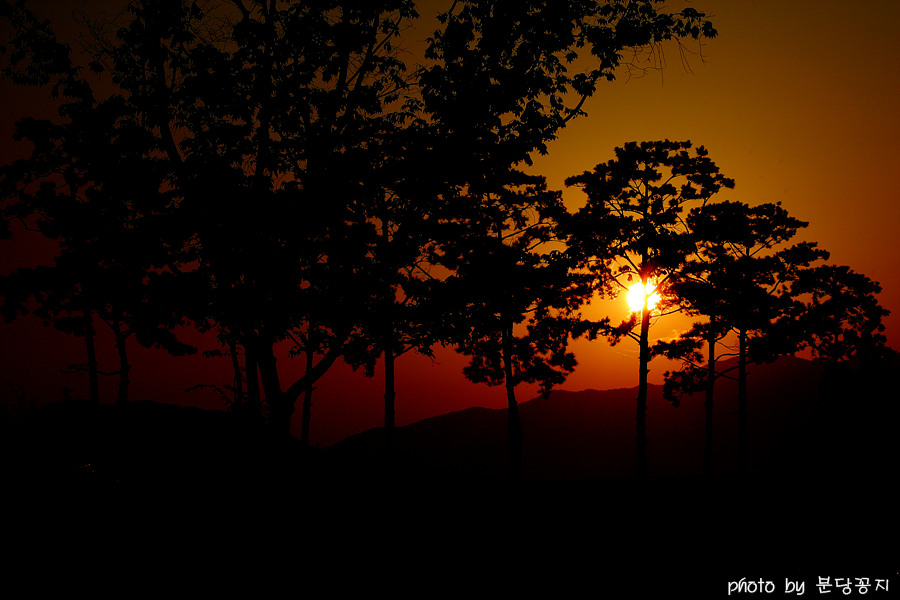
x=796, y=100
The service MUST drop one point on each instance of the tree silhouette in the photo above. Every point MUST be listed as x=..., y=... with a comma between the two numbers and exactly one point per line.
x=836, y=315
x=87, y=187
x=632, y=230
x=401, y=275
x=740, y=278
x=513, y=301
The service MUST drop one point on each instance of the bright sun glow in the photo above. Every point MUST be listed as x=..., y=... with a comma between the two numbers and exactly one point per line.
x=636, y=297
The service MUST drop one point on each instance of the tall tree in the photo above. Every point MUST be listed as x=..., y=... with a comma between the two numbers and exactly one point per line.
x=402, y=276
x=88, y=187
x=836, y=315
x=513, y=298
x=739, y=278
x=632, y=231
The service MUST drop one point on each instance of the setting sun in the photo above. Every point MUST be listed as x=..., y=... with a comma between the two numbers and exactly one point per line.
x=636, y=296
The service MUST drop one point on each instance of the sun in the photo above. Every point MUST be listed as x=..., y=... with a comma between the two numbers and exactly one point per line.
x=636, y=296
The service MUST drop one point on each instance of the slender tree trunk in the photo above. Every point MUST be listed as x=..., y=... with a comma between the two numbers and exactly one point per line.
x=280, y=407
x=296, y=389
x=708, y=405
x=259, y=349
x=514, y=423
x=390, y=393
x=644, y=370
x=93, y=369
x=124, y=367
x=251, y=366
x=306, y=412
x=742, y=401
x=238, y=397
x=387, y=347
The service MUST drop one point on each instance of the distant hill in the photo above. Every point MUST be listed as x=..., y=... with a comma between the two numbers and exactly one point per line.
x=799, y=422
x=75, y=444
x=820, y=499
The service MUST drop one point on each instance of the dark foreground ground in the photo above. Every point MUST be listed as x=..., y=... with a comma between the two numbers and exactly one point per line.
x=150, y=496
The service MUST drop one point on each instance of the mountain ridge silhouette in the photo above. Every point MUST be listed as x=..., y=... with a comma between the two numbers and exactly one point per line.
x=797, y=425
x=589, y=434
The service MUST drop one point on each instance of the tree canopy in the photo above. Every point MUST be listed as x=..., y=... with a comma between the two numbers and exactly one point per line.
x=632, y=230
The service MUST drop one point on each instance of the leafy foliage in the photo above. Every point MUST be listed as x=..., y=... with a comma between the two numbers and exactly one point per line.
x=739, y=278
x=632, y=227
x=511, y=287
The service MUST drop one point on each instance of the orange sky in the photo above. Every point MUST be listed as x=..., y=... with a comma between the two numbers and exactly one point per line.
x=797, y=101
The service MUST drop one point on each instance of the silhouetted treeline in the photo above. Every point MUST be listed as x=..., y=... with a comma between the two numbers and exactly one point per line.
x=289, y=173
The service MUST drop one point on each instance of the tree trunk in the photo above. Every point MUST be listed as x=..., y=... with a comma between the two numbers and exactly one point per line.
x=93, y=369
x=514, y=423
x=124, y=367
x=306, y=412
x=708, y=405
x=644, y=370
x=742, y=401
x=238, y=392
x=390, y=393
x=387, y=347
x=296, y=389
x=251, y=366
x=281, y=408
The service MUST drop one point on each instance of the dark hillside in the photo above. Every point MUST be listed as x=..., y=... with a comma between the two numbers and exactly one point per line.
x=796, y=426
x=821, y=498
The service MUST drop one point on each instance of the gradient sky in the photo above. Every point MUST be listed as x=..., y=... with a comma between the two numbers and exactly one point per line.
x=796, y=100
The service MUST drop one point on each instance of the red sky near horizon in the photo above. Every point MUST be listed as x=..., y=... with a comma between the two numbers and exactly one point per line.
x=796, y=101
